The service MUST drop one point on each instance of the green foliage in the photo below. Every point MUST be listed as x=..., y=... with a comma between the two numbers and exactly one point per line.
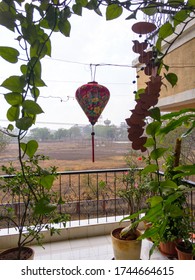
x=136, y=190
x=167, y=210
x=9, y=54
x=29, y=148
x=33, y=187
x=171, y=78
x=150, y=10
x=113, y=11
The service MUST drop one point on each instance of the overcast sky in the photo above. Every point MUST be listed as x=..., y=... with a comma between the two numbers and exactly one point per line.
x=93, y=40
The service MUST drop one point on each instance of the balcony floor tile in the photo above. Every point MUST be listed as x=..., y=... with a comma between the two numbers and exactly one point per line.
x=91, y=248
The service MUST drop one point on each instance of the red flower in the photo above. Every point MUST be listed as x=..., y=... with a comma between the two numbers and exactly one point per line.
x=139, y=158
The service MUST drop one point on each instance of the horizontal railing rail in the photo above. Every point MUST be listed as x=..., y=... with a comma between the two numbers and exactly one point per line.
x=91, y=194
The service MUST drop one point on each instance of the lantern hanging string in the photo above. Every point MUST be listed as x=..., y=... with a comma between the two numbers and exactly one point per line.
x=93, y=73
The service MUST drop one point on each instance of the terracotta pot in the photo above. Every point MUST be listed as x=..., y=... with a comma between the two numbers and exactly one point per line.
x=12, y=254
x=183, y=253
x=168, y=248
x=125, y=249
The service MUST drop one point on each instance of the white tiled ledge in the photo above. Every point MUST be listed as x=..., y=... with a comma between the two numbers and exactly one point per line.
x=73, y=230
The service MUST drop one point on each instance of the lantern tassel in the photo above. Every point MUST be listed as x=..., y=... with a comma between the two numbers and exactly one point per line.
x=92, y=139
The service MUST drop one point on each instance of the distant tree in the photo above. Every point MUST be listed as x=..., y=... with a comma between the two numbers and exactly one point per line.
x=41, y=134
x=60, y=134
x=107, y=132
x=74, y=132
x=122, y=133
x=86, y=131
x=4, y=141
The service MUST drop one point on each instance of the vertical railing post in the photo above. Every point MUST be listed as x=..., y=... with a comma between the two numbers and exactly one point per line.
x=115, y=211
x=97, y=192
x=79, y=198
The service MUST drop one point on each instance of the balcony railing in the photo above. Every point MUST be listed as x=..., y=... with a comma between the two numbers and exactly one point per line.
x=91, y=194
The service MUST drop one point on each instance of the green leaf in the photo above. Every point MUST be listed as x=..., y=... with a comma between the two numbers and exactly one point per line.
x=65, y=13
x=35, y=92
x=151, y=168
x=175, y=211
x=13, y=98
x=13, y=113
x=9, y=54
x=149, y=142
x=30, y=148
x=175, y=123
x=170, y=116
x=150, y=10
x=191, y=3
x=168, y=184
x=174, y=3
x=47, y=181
x=43, y=207
x=10, y=127
x=153, y=127
x=113, y=11
x=132, y=16
x=31, y=107
x=157, y=153
x=64, y=27
x=24, y=69
x=180, y=17
x=14, y=83
x=185, y=170
x=39, y=49
x=159, y=44
x=24, y=123
x=171, y=78
x=172, y=197
x=29, y=12
x=51, y=16
x=83, y=3
x=77, y=9
x=139, y=92
x=36, y=80
x=7, y=18
x=155, y=200
x=35, y=67
x=165, y=30
x=150, y=232
x=156, y=209
x=155, y=114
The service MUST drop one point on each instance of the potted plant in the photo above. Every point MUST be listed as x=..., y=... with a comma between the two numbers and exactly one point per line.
x=124, y=239
x=30, y=202
x=185, y=250
x=29, y=184
x=167, y=210
x=169, y=218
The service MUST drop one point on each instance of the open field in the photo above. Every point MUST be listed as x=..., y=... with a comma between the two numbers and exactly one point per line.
x=76, y=155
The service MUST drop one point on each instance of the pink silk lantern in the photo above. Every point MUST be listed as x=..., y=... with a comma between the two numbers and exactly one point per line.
x=92, y=98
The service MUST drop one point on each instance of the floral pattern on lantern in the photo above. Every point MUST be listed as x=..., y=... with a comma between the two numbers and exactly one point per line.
x=92, y=98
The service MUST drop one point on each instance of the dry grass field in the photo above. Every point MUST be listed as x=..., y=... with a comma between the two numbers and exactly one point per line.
x=76, y=155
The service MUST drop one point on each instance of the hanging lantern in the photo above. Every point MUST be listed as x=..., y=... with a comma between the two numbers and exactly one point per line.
x=92, y=98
